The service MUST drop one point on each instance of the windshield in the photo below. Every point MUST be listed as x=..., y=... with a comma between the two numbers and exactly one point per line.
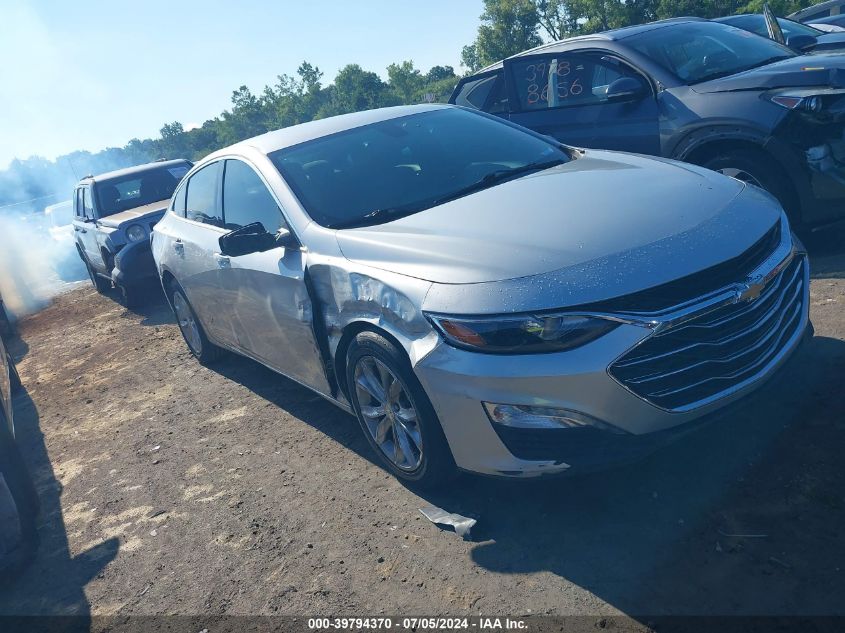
x=135, y=190
x=378, y=172
x=756, y=23
x=699, y=51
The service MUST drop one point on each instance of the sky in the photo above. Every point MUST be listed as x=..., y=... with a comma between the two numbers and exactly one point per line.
x=92, y=74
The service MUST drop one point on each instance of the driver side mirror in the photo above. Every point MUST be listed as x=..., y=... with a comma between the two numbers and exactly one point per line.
x=254, y=238
x=800, y=43
x=626, y=89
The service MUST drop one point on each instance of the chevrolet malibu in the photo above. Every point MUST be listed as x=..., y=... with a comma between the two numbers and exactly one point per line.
x=482, y=297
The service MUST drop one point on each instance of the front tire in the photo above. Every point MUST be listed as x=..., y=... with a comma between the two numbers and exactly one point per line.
x=756, y=168
x=395, y=413
x=192, y=331
x=14, y=378
x=130, y=296
x=100, y=284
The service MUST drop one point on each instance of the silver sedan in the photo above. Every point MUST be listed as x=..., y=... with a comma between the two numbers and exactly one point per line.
x=479, y=296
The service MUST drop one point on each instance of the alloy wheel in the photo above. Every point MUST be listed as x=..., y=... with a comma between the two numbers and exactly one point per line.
x=390, y=416
x=187, y=323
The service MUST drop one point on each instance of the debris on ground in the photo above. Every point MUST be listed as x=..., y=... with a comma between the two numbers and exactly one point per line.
x=461, y=524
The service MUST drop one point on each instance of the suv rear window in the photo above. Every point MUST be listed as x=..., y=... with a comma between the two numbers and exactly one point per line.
x=485, y=93
x=119, y=194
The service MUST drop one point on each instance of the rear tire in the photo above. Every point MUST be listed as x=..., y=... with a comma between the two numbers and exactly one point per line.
x=380, y=379
x=192, y=331
x=759, y=169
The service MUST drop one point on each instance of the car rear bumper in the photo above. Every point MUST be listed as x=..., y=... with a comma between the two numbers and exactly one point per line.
x=134, y=265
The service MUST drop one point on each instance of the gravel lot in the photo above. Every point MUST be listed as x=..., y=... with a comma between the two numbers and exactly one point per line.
x=170, y=488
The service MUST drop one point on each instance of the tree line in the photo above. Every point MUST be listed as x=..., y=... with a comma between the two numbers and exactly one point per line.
x=507, y=27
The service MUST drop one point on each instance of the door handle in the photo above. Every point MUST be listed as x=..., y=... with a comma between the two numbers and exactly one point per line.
x=222, y=260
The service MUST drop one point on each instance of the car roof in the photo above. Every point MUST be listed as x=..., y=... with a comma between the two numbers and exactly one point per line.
x=606, y=36
x=296, y=134
x=813, y=8
x=137, y=169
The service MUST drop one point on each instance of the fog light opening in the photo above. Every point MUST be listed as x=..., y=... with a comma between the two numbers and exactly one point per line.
x=520, y=416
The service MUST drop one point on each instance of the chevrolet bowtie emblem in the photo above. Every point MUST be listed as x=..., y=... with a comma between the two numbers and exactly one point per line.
x=751, y=289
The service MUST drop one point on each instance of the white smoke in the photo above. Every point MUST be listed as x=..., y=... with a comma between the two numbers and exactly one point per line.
x=35, y=266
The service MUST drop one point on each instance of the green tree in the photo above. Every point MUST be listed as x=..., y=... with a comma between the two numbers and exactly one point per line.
x=406, y=81
x=507, y=27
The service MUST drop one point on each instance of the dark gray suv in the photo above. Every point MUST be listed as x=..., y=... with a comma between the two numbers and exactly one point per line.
x=692, y=90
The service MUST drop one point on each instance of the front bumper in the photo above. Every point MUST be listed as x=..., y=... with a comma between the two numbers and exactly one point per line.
x=134, y=265
x=458, y=381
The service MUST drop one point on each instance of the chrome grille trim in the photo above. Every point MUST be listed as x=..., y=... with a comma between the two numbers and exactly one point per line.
x=771, y=324
x=755, y=306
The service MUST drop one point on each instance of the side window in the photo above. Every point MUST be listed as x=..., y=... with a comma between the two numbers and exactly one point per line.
x=201, y=197
x=485, y=93
x=178, y=204
x=246, y=199
x=87, y=206
x=566, y=80
x=77, y=204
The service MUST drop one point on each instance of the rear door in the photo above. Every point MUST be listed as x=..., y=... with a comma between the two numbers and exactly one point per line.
x=268, y=307
x=564, y=95
x=85, y=228
x=193, y=242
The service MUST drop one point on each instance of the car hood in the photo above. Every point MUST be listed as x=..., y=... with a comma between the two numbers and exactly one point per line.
x=795, y=72
x=603, y=206
x=830, y=41
x=146, y=212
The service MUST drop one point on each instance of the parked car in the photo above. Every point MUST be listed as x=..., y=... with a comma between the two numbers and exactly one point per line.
x=18, y=498
x=479, y=295
x=830, y=24
x=114, y=214
x=802, y=38
x=819, y=10
x=694, y=90
x=60, y=219
x=5, y=322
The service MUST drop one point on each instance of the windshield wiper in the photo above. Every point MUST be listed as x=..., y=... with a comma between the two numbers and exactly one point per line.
x=728, y=73
x=497, y=177
x=377, y=216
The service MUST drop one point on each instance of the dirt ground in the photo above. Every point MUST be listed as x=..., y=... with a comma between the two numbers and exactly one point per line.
x=171, y=488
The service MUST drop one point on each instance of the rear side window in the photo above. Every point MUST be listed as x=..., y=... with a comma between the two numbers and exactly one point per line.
x=87, y=206
x=78, y=204
x=201, y=198
x=485, y=93
x=246, y=199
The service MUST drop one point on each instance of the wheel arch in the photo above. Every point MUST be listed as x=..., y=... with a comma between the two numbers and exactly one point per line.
x=707, y=145
x=350, y=331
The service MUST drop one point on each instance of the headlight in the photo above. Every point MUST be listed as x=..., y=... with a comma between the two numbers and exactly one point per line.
x=798, y=102
x=521, y=333
x=136, y=233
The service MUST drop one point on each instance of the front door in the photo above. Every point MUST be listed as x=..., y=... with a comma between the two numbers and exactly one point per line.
x=268, y=306
x=564, y=95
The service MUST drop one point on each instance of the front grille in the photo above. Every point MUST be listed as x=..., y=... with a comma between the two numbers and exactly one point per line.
x=712, y=354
